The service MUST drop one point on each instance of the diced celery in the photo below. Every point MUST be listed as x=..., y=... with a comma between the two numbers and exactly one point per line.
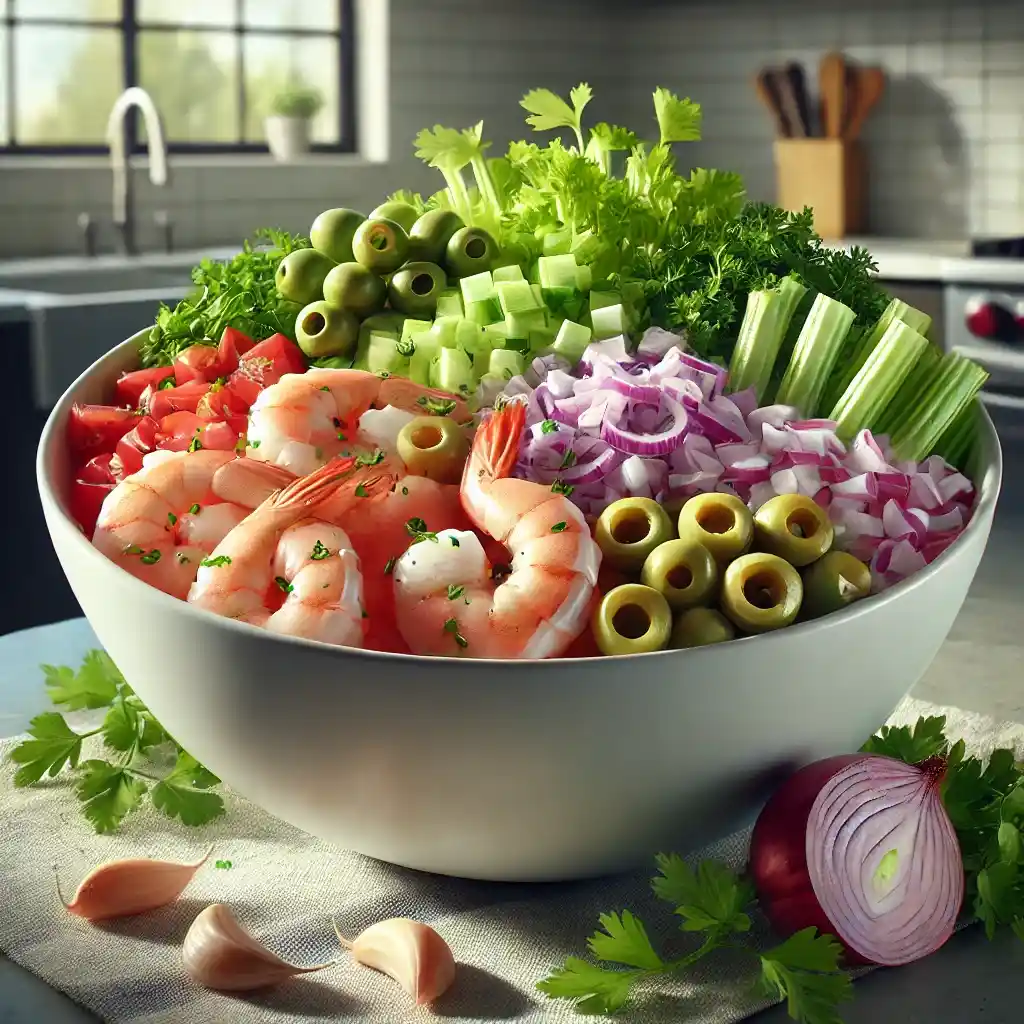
x=413, y=327
x=506, y=363
x=510, y=273
x=538, y=294
x=541, y=339
x=608, y=321
x=517, y=297
x=449, y=303
x=571, y=340
x=557, y=271
x=446, y=329
x=496, y=334
x=878, y=380
x=565, y=302
x=819, y=342
x=426, y=348
x=600, y=299
x=359, y=361
x=584, y=278
x=951, y=391
x=844, y=373
x=470, y=337
x=557, y=243
x=487, y=311
x=520, y=324
x=761, y=333
x=383, y=356
x=521, y=345
x=477, y=287
x=453, y=371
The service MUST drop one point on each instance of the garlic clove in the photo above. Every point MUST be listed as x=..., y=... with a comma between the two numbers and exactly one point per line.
x=220, y=954
x=409, y=952
x=120, y=888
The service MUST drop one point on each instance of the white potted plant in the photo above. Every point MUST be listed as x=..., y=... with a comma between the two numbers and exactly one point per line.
x=287, y=127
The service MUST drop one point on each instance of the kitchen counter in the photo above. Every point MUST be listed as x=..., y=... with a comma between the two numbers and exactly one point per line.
x=930, y=260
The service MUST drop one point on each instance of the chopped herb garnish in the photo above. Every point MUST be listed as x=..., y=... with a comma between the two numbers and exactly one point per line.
x=417, y=529
x=548, y=427
x=222, y=865
x=183, y=559
x=171, y=518
x=406, y=348
x=193, y=510
x=341, y=436
x=568, y=460
x=558, y=487
x=389, y=566
x=167, y=383
x=383, y=374
x=455, y=541
x=437, y=406
x=133, y=549
x=150, y=557
x=405, y=490
x=452, y=626
x=326, y=388
x=195, y=444
x=361, y=491
x=216, y=563
x=370, y=460
x=319, y=552
x=283, y=584
x=366, y=614
x=455, y=592
x=254, y=444
x=559, y=527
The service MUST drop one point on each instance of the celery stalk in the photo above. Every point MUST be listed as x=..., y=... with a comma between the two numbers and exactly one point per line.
x=820, y=341
x=878, y=380
x=950, y=392
x=764, y=326
x=957, y=442
x=848, y=369
x=920, y=378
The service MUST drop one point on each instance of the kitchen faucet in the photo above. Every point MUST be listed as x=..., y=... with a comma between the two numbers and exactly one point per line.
x=124, y=215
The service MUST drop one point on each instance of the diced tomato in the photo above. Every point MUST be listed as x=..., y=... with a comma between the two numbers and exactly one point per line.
x=96, y=429
x=180, y=424
x=197, y=362
x=218, y=437
x=85, y=500
x=233, y=345
x=130, y=386
x=97, y=471
x=221, y=403
x=140, y=440
x=183, y=398
x=265, y=364
x=181, y=429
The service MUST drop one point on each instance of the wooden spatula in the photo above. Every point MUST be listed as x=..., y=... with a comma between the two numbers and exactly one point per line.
x=767, y=91
x=870, y=86
x=832, y=86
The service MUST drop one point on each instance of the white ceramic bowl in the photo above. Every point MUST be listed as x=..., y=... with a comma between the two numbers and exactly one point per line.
x=508, y=770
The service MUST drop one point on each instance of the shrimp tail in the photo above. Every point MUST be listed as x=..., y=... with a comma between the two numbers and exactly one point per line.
x=496, y=444
x=309, y=492
x=248, y=482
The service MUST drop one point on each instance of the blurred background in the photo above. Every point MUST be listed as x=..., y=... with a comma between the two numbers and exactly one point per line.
x=931, y=179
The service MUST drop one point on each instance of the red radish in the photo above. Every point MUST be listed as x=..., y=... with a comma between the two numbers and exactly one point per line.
x=861, y=846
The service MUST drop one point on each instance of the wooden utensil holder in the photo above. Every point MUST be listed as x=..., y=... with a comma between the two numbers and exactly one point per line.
x=828, y=175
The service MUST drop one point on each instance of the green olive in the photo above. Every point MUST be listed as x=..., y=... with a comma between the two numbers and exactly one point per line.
x=470, y=251
x=325, y=330
x=388, y=321
x=699, y=626
x=434, y=447
x=396, y=210
x=380, y=245
x=721, y=522
x=834, y=581
x=683, y=571
x=632, y=619
x=413, y=290
x=429, y=236
x=332, y=233
x=760, y=592
x=301, y=274
x=794, y=527
x=629, y=529
x=351, y=286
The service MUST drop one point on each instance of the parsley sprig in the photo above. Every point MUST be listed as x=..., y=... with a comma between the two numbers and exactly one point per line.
x=713, y=902
x=111, y=788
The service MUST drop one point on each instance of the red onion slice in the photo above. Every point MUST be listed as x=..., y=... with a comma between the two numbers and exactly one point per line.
x=649, y=444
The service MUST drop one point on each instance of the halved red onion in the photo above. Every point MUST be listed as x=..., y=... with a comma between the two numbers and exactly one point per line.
x=649, y=444
x=860, y=846
x=776, y=415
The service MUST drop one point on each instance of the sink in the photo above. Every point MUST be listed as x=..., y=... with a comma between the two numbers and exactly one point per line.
x=80, y=307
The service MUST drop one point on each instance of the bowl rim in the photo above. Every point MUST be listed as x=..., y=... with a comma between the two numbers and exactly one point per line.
x=53, y=434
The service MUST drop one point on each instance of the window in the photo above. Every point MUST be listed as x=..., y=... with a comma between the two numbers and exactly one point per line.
x=212, y=67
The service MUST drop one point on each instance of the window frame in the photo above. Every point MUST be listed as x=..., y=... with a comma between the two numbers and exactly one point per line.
x=129, y=26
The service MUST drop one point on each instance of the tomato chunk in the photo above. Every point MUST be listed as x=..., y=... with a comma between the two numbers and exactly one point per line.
x=221, y=403
x=218, y=436
x=98, y=470
x=183, y=398
x=265, y=364
x=139, y=441
x=197, y=362
x=233, y=345
x=96, y=429
x=130, y=386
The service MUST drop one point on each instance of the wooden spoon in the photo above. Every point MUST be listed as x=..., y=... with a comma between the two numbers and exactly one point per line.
x=832, y=86
x=870, y=86
x=767, y=91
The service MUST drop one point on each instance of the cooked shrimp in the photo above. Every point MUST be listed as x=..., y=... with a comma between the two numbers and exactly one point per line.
x=159, y=523
x=445, y=601
x=288, y=571
x=305, y=419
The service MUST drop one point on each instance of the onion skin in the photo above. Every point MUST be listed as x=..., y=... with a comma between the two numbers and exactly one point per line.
x=778, y=853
